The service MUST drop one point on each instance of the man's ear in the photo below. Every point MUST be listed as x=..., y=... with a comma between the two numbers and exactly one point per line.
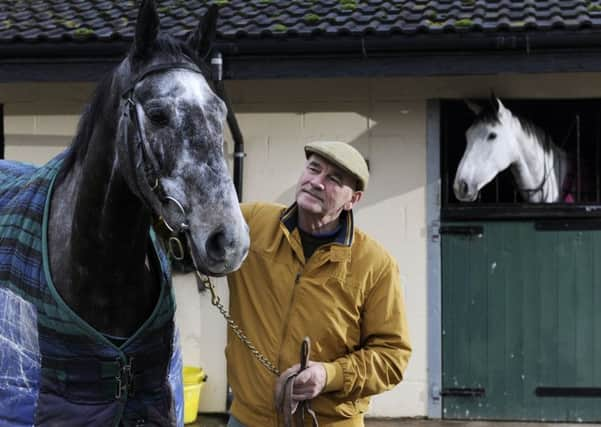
x=354, y=200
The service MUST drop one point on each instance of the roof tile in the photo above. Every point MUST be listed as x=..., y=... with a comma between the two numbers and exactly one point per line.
x=57, y=20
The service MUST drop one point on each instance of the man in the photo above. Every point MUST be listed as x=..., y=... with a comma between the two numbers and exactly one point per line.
x=311, y=272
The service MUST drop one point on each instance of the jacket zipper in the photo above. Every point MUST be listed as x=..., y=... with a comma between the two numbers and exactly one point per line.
x=287, y=319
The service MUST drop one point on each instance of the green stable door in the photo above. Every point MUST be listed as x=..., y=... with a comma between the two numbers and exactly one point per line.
x=521, y=322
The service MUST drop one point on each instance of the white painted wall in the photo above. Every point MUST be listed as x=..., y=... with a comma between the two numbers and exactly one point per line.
x=384, y=118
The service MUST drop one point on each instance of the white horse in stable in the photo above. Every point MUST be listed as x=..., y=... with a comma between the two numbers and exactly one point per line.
x=499, y=139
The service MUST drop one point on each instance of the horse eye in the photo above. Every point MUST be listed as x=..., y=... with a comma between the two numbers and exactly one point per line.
x=158, y=116
x=491, y=136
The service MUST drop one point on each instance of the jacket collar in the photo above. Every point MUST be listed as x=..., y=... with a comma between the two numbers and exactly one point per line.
x=344, y=236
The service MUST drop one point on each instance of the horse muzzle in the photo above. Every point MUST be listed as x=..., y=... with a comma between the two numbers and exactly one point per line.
x=226, y=249
x=465, y=192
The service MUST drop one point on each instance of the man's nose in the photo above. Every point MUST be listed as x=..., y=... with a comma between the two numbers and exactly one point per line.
x=317, y=182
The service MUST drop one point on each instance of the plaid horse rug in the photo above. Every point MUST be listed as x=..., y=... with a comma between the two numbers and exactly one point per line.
x=56, y=369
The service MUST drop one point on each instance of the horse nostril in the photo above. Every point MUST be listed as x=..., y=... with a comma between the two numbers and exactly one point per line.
x=463, y=187
x=216, y=245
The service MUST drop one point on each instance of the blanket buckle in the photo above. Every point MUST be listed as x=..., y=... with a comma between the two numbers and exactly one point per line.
x=125, y=379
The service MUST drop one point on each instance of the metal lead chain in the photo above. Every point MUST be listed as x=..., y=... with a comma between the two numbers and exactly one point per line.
x=216, y=301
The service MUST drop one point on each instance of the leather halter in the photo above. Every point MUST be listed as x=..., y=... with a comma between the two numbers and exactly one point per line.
x=140, y=155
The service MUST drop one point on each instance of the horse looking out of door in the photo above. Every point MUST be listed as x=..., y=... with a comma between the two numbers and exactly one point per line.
x=499, y=139
x=87, y=336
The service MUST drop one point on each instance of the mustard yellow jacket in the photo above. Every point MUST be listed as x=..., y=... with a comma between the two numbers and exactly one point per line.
x=347, y=298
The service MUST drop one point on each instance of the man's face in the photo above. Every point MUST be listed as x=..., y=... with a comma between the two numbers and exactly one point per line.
x=324, y=190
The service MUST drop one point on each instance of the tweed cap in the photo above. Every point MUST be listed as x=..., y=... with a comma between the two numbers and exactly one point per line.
x=344, y=156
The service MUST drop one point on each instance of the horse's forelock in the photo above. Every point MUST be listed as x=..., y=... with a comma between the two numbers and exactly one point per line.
x=489, y=115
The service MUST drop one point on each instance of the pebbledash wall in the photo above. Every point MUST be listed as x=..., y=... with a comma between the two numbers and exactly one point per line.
x=386, y=119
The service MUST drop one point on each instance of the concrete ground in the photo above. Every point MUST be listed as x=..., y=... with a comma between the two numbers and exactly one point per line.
x=221, y=420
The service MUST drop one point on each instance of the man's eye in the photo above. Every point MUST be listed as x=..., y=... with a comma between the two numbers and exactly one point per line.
x=336, y=179
x=158, y=116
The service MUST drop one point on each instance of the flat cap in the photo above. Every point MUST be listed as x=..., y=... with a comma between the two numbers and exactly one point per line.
x=344, y=156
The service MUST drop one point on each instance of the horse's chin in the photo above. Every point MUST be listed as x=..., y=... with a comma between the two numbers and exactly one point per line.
x=467, y=197
x=208, y=269
x=220, y=269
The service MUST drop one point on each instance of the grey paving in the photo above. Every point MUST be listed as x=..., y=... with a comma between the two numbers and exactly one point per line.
x=220, y=421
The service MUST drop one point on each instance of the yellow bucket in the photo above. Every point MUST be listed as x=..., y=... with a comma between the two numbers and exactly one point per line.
x=194, y=379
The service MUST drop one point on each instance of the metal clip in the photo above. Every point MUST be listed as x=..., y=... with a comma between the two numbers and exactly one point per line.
x=176, y=248
x=125, y=379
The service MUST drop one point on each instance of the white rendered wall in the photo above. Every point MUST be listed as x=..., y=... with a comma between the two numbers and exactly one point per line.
x=384, y=118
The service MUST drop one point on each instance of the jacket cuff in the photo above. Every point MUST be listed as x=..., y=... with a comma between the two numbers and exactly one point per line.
x=334, y=377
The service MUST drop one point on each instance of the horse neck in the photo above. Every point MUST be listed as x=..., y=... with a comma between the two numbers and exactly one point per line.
x=99, y=236
x=538, y=170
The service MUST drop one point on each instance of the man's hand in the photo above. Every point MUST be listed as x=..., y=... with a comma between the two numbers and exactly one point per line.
x=307, y=384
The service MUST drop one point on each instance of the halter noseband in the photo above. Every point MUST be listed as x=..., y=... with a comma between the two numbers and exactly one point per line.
x=149, y=186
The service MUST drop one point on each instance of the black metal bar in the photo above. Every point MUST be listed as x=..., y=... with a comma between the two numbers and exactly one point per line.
x=464, y=230
x=568, y=391
x=578, y=162
x=597, y=142
x=1, y=131
x=463, y=392
x=563, y=225
x=497, y=191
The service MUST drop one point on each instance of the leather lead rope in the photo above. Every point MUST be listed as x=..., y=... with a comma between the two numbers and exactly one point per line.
x=284, y=401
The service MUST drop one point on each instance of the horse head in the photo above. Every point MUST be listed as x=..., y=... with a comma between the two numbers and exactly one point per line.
x=171, y=142
x=491, y=148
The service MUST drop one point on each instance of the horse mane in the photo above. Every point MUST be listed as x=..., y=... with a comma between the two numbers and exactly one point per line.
x=490, y=115
x=167, y=49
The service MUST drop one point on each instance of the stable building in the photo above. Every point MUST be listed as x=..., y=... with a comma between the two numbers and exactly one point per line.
x=501, y=294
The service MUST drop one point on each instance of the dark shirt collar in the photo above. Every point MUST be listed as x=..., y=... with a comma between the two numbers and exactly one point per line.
x=345, y=232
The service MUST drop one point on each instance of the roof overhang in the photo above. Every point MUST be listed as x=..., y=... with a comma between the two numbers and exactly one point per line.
x=329, y=57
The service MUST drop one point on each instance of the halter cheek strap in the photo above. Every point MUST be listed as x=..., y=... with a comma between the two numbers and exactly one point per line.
x=140, y=156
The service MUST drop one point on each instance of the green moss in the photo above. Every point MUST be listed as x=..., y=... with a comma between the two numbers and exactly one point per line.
x=348, y=4
x=221, y=2
x=265, y=1
x=70, y=24
x=594, y=7
x=464, y=23
x=6, y=24
x=312, y=18
x=431, y=15
x=83, y=32
x=123, y=21
x=468, y=2
x=163, y=9
x=280, y=28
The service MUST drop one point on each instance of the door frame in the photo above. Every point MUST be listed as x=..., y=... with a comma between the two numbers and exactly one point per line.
x=434, y=298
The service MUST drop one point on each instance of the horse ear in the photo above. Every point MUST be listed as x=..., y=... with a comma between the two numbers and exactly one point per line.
x=147, y=28
x=203, y=37
x=495, y=102
x=474, y=106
